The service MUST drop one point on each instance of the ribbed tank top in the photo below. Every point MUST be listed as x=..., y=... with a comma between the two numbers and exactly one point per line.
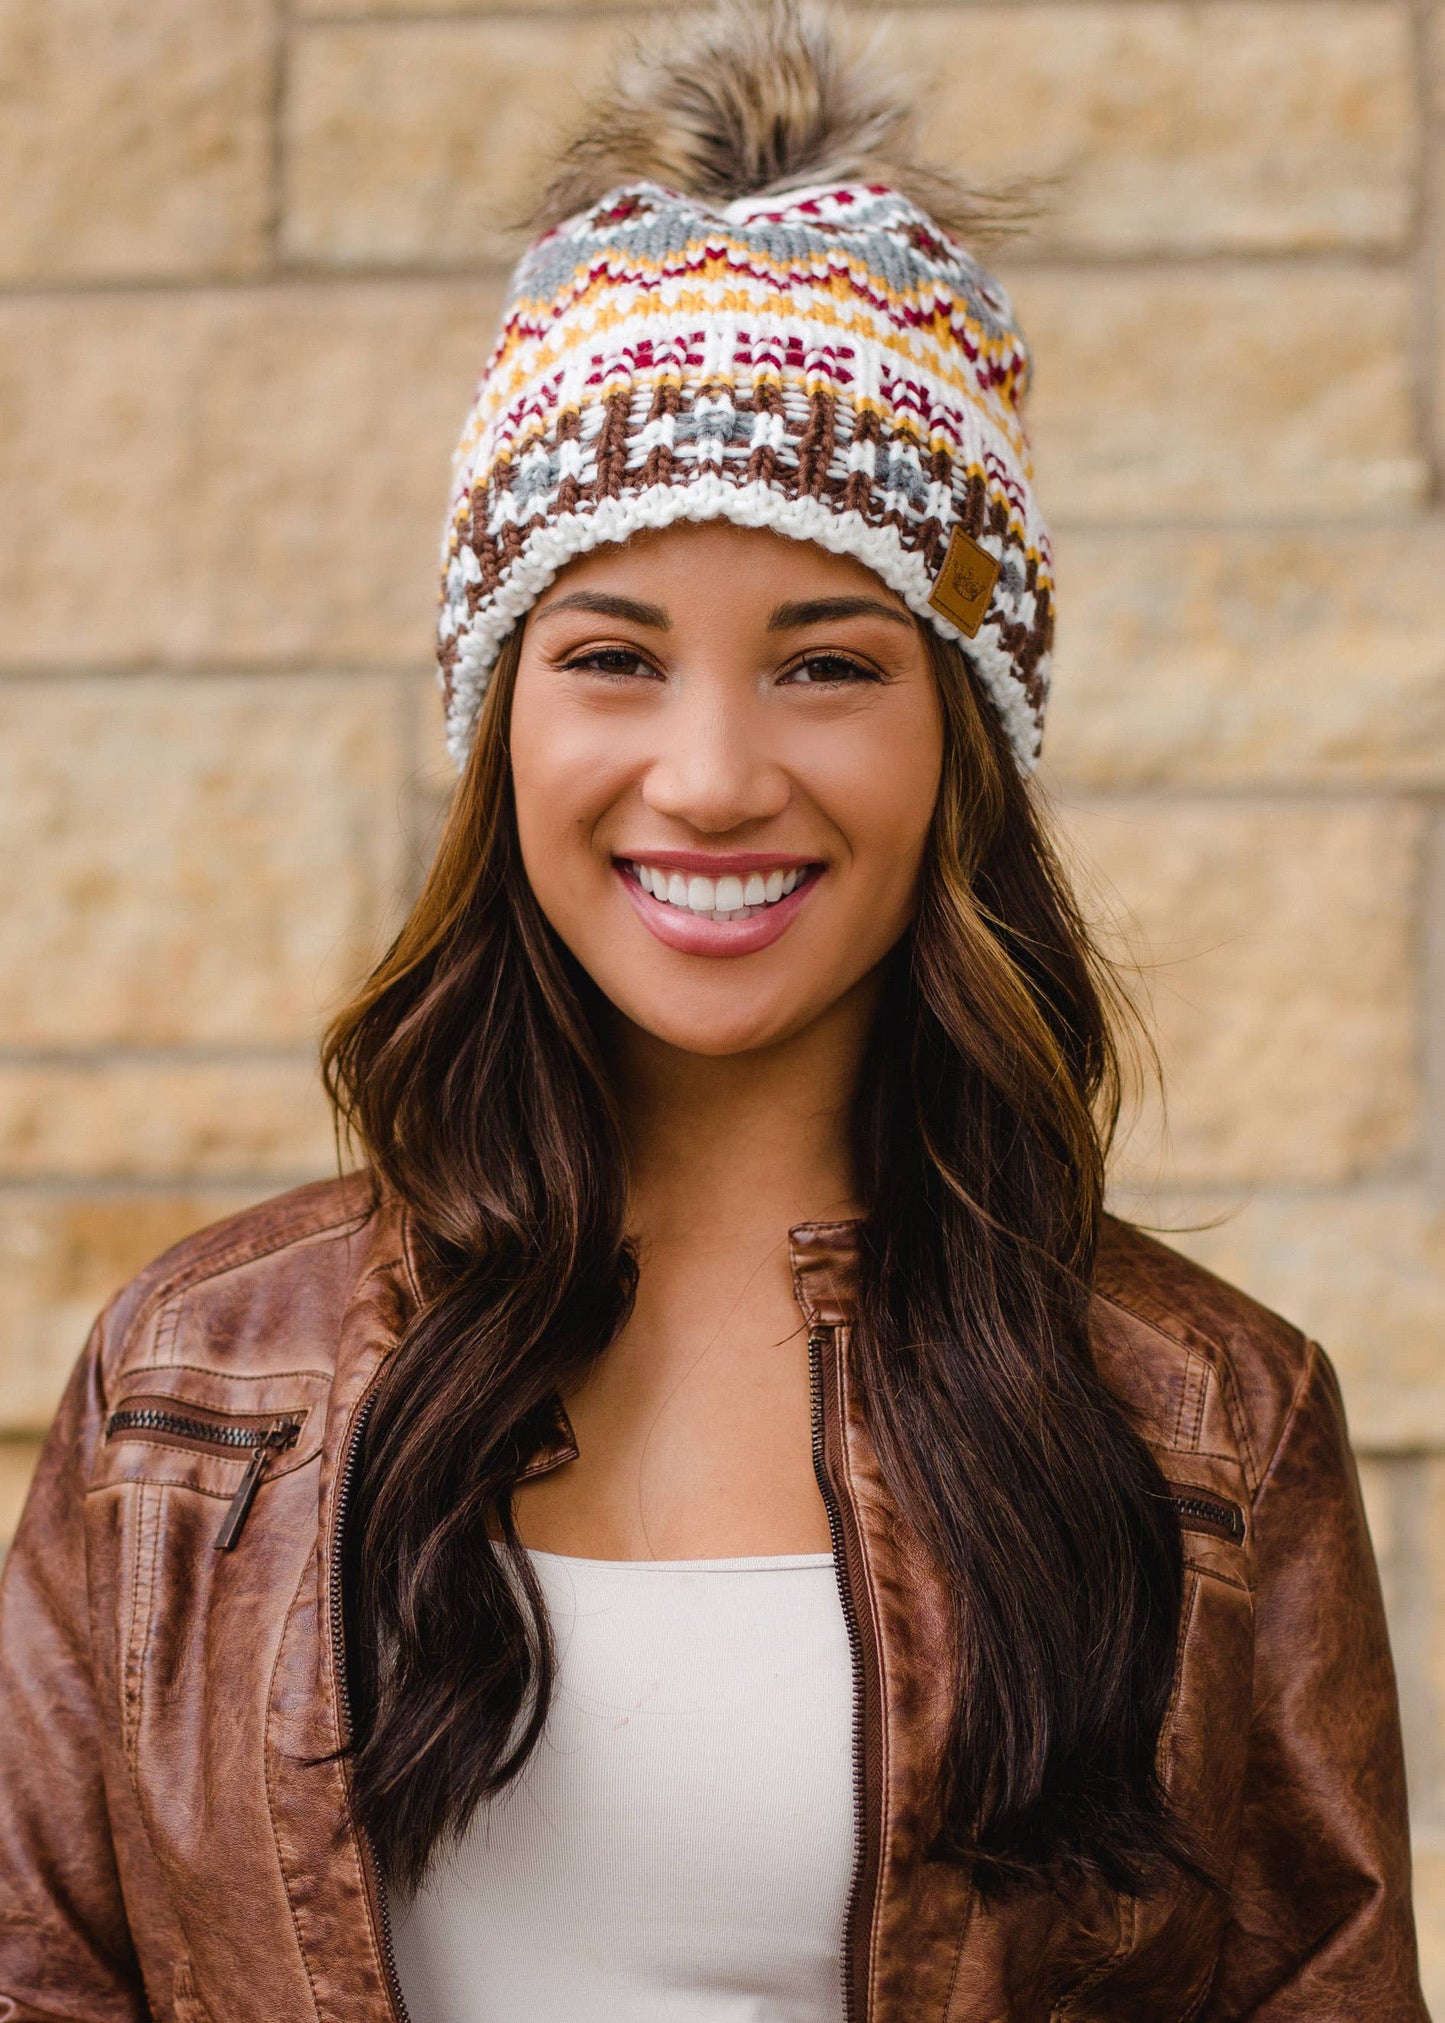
x=680, y=1847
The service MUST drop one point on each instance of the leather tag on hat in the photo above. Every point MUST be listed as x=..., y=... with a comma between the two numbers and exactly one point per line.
x=963, y=588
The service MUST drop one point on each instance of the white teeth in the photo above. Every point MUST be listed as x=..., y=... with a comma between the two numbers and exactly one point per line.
x=725, y=898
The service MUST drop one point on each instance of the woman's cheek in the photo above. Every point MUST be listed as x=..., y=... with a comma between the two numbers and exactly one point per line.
x=880, y=800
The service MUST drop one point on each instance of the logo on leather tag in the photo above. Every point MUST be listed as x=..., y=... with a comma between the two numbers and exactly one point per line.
x=964, y=585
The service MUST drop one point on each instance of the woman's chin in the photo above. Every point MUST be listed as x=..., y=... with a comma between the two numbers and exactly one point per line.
x=715, y=1032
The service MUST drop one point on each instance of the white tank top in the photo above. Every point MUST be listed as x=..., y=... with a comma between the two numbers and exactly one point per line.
x=680, y=1847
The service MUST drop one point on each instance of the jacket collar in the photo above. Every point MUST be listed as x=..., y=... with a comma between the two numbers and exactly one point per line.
x=824, y=1259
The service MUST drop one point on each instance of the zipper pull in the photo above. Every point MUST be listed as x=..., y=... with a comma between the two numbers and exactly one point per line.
x=277, y=1437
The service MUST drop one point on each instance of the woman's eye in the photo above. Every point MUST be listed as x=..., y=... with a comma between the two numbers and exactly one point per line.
x=616, y=661
x=831, y=668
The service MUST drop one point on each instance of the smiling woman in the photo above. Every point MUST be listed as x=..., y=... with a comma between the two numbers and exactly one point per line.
x=720, y=705
x=714, y=1524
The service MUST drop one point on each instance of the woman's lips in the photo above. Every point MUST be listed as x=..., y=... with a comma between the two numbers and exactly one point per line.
x=696, y=934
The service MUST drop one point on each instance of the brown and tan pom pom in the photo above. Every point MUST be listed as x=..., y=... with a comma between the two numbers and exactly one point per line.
x=752, y=98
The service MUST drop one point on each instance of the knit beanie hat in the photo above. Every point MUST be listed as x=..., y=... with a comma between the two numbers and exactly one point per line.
x=694, y=343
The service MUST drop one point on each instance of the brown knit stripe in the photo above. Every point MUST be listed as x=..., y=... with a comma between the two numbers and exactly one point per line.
x=815, y=450
x=612, y=445
x=657, y=470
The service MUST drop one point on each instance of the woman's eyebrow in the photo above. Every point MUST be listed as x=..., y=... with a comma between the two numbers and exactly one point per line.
x=827, y=610
x=603, y=605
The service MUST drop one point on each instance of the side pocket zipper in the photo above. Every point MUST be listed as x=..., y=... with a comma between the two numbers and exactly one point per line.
x=170, y=1427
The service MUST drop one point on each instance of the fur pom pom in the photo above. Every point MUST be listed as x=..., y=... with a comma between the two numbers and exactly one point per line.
x=753, y=98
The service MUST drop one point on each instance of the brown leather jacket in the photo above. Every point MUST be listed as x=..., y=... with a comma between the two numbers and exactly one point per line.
x=175, y=1837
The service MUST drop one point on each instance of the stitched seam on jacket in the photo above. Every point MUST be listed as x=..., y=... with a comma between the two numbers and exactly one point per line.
x=1176, y=1683
x=215, y=1264
x=1220, y=1363
x=138, y=1630
x=1311, y=1370
x=307, y=1569
x=1213, y=1573
x=1128, y=1916
x=1201, y=1398
x=958, y=1952
x=167, y=1328
x=215, y=1370
x=191, y=1488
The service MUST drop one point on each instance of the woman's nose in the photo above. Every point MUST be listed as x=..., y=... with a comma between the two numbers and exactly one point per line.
x=712, y=767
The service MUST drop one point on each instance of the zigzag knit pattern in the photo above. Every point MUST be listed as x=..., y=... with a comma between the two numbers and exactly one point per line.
x=828, y=364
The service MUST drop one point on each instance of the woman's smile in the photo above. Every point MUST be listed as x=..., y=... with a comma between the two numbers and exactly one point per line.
x=722, y=903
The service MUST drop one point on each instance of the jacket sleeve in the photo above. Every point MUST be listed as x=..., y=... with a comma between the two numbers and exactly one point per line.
x=65, y=1948
x=1320, y=1925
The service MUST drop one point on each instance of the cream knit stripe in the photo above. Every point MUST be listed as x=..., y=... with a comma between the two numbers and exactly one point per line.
x=558, y=541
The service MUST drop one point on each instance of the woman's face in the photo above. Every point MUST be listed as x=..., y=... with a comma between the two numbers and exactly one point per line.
x=726, y=747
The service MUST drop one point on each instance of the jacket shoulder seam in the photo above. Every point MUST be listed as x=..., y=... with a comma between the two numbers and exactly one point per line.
x=215, y=1264
x=1307, y=1377
x=1219, y=1361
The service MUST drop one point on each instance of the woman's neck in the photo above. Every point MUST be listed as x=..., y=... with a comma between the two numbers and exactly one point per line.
x=735, y=1149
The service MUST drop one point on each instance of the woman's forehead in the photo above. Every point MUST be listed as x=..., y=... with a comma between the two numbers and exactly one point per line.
x=689, y=554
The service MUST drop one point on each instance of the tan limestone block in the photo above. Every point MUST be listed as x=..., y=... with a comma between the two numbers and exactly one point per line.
x=423, y=143
x=1183, y=128
x=1276, y=948
x=62, y=1255
x=1307, y=654
x=123, y=1118
x=1402, y=1497
x=1363, y=1272
x=1405, y=1503
x=1430, y=1924
x=1222, y=393
x=207, y=861
x=17, y=1465
x=434, y=782
x=136, y=136
x=1176, y=127
x=232, y=475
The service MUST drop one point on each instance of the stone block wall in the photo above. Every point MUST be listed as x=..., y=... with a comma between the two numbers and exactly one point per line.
x=249, y=267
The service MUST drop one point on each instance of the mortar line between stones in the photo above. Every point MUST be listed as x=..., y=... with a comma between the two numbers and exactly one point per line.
x=1081, y=262
x=1066, y=793
x=204, y=671
x=1221, y=1197
x=116, y=1187
x=180, y=1054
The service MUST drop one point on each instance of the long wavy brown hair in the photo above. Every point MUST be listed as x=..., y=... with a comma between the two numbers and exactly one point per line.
x=473, y=1070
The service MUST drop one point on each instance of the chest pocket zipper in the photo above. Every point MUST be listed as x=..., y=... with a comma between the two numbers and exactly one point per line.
x=1199, y=1511
x=169, y=1426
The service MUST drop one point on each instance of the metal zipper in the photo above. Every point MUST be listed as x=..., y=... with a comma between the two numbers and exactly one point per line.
x=1199, y=1511
x=345, y=1483
x=845, y=1564
x=229, y=1436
